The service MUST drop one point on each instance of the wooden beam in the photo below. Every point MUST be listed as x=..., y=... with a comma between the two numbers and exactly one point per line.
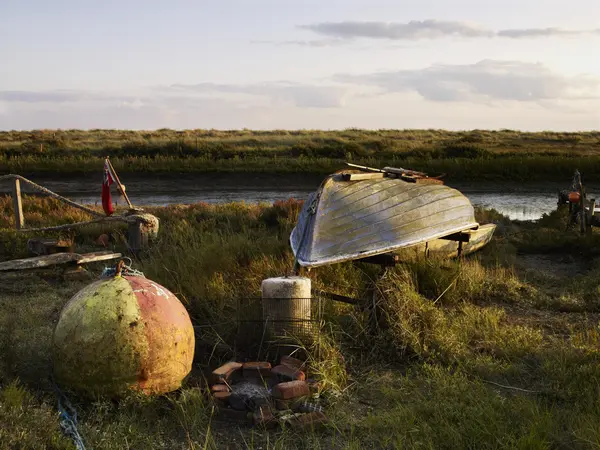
x=18, y=205
x=428, y=181
x=340, y=298
x=362, y=176
x=97, y=256
x=458, y=237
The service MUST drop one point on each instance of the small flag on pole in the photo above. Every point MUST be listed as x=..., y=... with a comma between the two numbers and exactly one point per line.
x=106, y=182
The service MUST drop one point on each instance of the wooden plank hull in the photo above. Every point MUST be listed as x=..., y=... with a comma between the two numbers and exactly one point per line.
x=442, y=248
x=348, y=220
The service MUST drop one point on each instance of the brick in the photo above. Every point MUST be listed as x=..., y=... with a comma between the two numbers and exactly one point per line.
x=219, y=388
x=310, y=421
x=292, y=362
x=291, y=389
x=287, y=373
x=224, y=372
x=259, y=369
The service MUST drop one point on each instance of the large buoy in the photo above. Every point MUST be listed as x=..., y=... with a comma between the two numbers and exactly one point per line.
x=123, y=333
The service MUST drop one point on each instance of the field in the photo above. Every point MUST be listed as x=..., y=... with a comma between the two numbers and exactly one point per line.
x=499, y=350
x=468, y=155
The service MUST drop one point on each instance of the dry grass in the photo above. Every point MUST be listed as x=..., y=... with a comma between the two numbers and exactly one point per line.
x=470, y=354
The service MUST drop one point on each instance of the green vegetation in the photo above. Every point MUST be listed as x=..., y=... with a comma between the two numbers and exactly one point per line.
x=468, y=155
x=499, y=350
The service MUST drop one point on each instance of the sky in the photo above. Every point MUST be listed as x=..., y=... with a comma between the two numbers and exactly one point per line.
x=300, y=64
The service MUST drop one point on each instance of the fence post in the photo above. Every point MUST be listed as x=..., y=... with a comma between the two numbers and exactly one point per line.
x=16, y=194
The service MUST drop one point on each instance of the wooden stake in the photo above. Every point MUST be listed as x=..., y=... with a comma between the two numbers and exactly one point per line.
x=120, y=186
x=18, y=205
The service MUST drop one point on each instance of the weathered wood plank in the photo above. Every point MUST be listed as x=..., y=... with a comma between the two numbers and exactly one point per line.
x=40, y=262
x=18, y=204
x=43, y=246
x=362, y=176
x=97, y=256
x=37, y=262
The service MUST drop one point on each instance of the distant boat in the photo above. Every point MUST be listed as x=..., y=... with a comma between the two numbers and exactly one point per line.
x=357, y=214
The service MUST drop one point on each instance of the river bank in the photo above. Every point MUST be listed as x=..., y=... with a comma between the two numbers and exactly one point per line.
x=518, y=201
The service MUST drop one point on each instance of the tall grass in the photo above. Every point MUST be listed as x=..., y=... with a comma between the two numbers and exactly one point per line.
x=467, y=354
x=471, y=155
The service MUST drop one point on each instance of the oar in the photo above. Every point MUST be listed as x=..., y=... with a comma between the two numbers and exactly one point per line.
x=369, y=169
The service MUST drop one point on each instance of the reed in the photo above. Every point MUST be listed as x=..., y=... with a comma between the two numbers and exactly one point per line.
x=471, y=155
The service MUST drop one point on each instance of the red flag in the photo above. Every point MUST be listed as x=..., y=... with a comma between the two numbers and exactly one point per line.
x=106, y=182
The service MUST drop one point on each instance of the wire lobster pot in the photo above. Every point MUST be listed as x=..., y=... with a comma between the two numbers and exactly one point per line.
x=278, y=322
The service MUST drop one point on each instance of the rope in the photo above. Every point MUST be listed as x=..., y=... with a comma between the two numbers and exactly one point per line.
x=91, y=211
x=68, y=418
x=125, y=270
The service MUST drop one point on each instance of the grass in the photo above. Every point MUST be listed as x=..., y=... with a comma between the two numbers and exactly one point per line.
x=493, y=351
x=468, y=155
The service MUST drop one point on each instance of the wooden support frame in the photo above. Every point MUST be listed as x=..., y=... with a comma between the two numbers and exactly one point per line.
x=340, y=298
x=458, y=237
x=384, y=260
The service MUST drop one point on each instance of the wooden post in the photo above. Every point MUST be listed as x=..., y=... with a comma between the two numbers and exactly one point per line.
x=591, y=212
x=137, y=236
x=16, y=194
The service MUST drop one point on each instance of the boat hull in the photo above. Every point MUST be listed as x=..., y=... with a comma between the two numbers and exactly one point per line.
x=348, y=220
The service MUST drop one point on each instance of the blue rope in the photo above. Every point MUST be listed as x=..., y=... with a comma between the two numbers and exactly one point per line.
x=68, y=419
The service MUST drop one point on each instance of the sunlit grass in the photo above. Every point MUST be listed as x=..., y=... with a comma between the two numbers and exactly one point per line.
x=477, y=353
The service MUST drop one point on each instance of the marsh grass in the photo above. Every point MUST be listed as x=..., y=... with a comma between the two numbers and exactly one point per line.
x=469, y=155
x=477, y=353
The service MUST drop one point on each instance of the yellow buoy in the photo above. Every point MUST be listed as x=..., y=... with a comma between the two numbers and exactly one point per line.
x=123, y=333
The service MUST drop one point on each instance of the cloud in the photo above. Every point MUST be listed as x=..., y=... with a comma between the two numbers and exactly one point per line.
x=429, y=29
x=539, y=32
x=413, y=30
x=300, y=95
x=484, y=81
x=61, y=96
x=57, y=96
x=305, y=43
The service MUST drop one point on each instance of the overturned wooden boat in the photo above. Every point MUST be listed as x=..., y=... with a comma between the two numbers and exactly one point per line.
x=360, y=214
